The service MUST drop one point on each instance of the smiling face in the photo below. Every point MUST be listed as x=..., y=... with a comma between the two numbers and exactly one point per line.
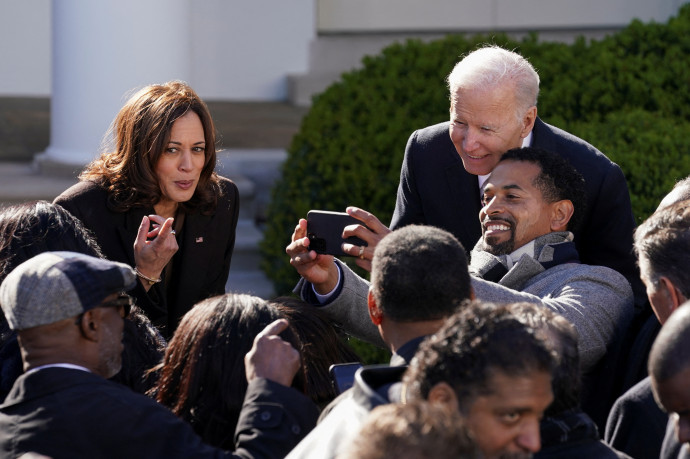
x=505, y=422
x=515, y=211
x=179, y=166
x=484, y=125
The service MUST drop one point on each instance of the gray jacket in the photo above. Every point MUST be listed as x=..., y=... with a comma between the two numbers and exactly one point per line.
x=597, y=300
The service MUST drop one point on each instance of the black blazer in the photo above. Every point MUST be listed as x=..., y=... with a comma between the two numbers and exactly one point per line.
x=201, y=265
x=435, y=189
x=67, y=413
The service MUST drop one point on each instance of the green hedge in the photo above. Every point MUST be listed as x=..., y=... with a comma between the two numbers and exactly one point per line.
x=628, y=94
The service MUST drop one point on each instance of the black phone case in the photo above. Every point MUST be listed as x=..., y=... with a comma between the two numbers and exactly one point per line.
x=325, y=232
x=343, y=375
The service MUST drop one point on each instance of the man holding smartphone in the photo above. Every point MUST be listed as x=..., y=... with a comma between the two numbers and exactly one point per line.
x=532, y=201
x=493, y=95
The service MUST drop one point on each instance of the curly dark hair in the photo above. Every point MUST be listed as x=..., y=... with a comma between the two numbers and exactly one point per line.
x=474, y=342
x=558, y=179
x=141, y=132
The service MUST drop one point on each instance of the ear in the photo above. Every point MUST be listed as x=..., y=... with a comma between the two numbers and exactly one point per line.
x=90, y=324
x=444, y=395
x=375, y=313
x=561, y=213
x=676, y=298
x=528, y=121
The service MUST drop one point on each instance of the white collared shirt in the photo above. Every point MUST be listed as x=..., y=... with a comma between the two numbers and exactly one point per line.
x=60, y=365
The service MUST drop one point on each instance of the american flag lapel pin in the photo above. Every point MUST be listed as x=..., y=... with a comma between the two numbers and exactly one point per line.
x=199, y=239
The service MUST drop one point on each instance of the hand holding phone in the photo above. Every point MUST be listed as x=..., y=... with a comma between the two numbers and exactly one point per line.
x=325, y=232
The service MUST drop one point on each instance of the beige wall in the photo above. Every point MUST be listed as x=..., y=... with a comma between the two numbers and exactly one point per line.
x=337, y=16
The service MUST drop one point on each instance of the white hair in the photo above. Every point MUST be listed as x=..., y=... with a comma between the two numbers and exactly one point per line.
x=492, y=65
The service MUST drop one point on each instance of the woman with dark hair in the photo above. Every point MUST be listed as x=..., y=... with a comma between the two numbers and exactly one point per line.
x=321, y=347
x=29, y=229
x=202, y=378
x=154, y=201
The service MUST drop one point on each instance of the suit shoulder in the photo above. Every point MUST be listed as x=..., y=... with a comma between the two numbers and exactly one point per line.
x=432, y=133
x=228, y=187
x=82, y=191
x=567, y=144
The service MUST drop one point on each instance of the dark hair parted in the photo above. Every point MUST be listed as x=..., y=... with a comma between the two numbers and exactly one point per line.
x=321, y=347
x=558, y=179
x=478, y=340
x=563, y=337
x=202, y=378
x=663, y=240
x=29, y=229
x=141, y=134
x=419, y=273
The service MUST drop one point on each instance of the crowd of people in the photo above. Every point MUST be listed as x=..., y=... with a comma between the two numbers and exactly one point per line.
x=524, y=313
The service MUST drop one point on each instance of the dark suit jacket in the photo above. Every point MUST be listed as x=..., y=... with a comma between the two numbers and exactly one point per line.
x=435, y=189
x=636, y=424
x=201, y=266
x=67, y=413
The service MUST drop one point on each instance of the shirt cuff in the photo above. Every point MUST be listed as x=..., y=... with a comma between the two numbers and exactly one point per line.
x=322, y=299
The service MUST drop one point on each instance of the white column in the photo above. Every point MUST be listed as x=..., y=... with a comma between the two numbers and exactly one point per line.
x=101, y=51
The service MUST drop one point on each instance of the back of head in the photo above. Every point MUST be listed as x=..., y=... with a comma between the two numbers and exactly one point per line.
x=320, y=346
x=419, y=273
x=202, y=377
x=36, y=227
x=680, y=192
x=141, y=133
x=416, y=430
x=663, y=241
x=480, y=339
x=558, y=179
x=670, y=352
x=490, y=66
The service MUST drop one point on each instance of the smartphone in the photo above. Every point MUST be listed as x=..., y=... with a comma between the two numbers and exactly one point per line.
x=343, y=375
x=325, y=232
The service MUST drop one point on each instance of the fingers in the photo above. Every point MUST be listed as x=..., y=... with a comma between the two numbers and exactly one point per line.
x=368, y=219
x=300, y=230
x=271, y=357
x=274, y=328
x=142, y=233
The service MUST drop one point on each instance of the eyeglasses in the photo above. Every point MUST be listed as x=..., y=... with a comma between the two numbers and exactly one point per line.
x=123, y=303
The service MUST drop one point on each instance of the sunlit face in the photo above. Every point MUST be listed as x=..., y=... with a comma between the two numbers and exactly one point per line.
x=515, y=211
x=484, y=125
x=674, y=396
x=179, y=166
x=505, y=423
x=659, y=297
